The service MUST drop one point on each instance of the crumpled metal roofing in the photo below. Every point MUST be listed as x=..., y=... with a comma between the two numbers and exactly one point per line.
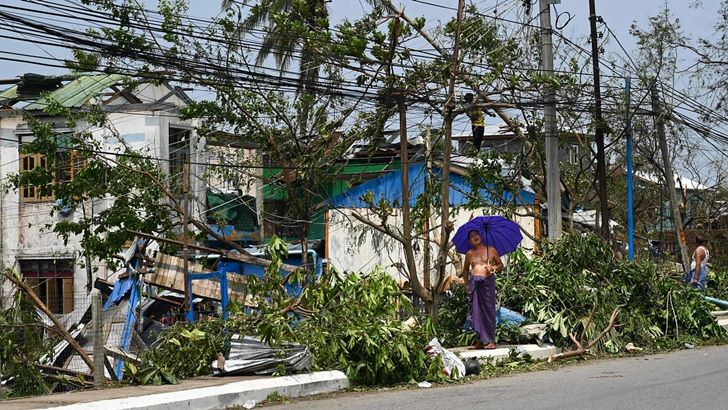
x=78, y=92
x=9, y=94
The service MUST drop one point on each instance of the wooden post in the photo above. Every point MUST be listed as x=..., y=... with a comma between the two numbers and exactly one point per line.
x=536, y=223
x=99, y=350
x=669, y=177
x=599, y=129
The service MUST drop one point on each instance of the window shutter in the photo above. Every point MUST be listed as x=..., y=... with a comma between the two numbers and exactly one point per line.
x=67, y=295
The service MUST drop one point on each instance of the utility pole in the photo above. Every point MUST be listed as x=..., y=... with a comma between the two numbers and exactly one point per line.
x=185, y=235
x=553, y=173
x=445, y=225
x=669, y=176
x=630, y=171
x=599, y=129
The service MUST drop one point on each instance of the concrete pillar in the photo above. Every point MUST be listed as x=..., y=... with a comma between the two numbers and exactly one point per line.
x=98, y=328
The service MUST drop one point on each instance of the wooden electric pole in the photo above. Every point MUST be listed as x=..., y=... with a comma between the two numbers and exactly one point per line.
x=553, y=173
x=599, y=129
x=669, y=177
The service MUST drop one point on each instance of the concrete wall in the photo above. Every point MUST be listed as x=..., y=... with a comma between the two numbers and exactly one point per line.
x=354, y=247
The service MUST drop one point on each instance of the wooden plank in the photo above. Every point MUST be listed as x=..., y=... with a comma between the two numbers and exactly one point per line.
x=64, y=371
x=169, y=274
x=120, y=355
x=236, y=256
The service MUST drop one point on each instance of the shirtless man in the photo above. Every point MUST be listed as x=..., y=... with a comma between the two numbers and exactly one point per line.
x=481, y=262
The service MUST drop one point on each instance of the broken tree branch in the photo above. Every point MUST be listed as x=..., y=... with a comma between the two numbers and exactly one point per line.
x=580, y=349
x=42, y=306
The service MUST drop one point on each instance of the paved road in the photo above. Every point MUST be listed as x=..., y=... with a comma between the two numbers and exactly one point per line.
x=688, y=379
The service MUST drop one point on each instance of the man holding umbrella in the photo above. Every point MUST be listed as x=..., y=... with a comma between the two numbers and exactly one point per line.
x=483, y=240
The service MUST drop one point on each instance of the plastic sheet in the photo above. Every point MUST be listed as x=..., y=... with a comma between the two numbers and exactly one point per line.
x=454, y=367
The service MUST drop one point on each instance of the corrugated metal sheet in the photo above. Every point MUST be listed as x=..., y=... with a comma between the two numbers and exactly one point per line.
x=389, y=187
x=9, y=94
x=79, y=91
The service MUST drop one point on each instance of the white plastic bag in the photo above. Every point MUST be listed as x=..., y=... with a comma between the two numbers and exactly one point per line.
x=454, y=367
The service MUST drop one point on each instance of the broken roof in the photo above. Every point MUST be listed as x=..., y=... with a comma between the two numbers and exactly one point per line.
x=73, y=94
x=78, y=92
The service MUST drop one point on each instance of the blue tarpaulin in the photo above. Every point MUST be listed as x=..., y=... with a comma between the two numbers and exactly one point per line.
x=121, y=288
x=389, y=187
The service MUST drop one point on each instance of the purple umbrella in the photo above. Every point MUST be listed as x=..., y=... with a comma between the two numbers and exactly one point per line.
x=496, y=231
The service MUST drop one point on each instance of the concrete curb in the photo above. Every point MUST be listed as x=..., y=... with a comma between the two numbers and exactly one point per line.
x=227, y=395
x=536, y=352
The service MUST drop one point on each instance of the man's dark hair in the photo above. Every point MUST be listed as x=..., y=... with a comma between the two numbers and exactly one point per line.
x=699, y=240
x=468, y=97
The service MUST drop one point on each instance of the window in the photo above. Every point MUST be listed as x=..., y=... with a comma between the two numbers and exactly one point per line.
x=574, y=154
x=52, y=281
x=32, y=193
x=68, y=164
x=179, y=152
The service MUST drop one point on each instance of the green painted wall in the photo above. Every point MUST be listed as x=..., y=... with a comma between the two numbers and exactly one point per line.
x=348, y=178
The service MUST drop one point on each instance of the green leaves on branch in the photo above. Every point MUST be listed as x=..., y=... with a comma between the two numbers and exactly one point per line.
x=358, y=329
x=578, y=274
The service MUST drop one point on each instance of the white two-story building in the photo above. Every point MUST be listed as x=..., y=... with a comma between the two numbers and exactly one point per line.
x=145, y=116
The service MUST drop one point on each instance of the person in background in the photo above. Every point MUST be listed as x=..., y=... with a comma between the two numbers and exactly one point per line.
x=698, y=274
x=477, y=121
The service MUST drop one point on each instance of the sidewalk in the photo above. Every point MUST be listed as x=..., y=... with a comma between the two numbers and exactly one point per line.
x=221, y=392
x=199, y=393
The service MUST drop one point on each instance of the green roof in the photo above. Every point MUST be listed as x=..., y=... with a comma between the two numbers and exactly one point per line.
x=9, y=94
x=78, y=92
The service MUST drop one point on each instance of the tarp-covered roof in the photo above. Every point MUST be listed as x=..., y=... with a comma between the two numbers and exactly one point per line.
x=389, y=187
x=78, y=92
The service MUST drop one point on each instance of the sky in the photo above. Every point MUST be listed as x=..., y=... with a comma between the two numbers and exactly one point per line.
x=618, y=15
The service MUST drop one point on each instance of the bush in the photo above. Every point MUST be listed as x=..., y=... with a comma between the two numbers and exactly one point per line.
x=182, y=350
x=578, y=275
x=717, y=285
x=350, y=323
x=23, y=341
x=357, y=328
x=452, y=313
